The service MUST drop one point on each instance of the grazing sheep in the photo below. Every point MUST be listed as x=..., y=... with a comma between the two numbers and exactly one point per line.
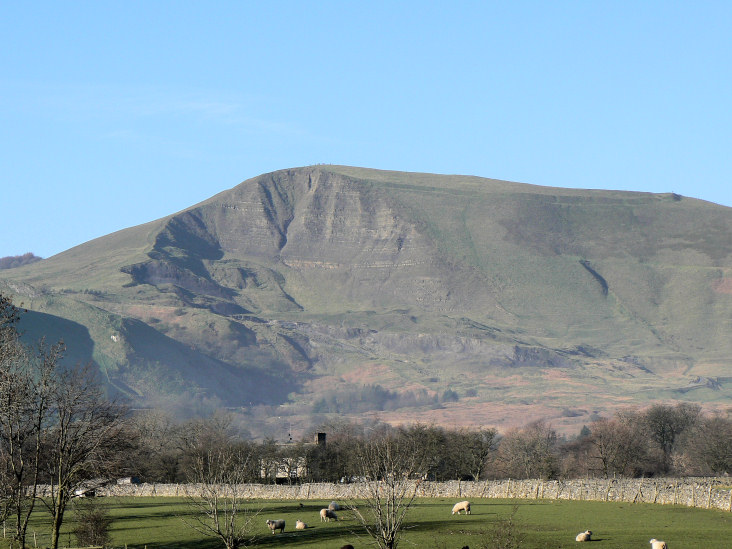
x=461, y=506
x=276, y=525
x=334, y=506
x=656, y=544
x=584, y=536
x=327, y=514
x=300, y=525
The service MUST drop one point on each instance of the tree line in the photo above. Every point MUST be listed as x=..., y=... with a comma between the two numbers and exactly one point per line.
x=660, y=440
x=390, y=462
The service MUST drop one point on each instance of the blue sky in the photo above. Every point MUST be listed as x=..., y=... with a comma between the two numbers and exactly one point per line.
x=113, y=114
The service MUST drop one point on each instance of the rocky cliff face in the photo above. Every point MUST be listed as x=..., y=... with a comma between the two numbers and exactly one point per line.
x=309, y=283
x=326, y=234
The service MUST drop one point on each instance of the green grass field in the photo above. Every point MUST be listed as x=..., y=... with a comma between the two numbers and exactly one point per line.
x=158, y=523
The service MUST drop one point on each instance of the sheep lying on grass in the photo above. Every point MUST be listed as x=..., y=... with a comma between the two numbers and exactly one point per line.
x=334, y=506
x=584, y=536
x=276, y=525
x=300, y=525
x=656, y=544
x=461, y=506
x=327, y=514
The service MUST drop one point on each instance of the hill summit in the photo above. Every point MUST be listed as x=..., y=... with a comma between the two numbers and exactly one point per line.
x=446, y=299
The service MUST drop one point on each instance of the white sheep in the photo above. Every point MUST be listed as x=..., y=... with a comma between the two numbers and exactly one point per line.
x=461, y=506
x=334, y=506
x=276, y=525
x=656, y=544
x=327, y=514
x=584, y=536
x=300, y=525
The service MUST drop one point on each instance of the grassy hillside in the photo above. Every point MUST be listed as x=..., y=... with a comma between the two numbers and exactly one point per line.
x=311, y=283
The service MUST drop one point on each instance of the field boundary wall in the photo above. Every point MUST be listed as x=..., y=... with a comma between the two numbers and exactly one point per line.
x=707, y=493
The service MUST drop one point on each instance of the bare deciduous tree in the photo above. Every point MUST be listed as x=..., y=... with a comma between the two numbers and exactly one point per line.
x=217, y=495
x=617, y=447
x=475, y=448
x=158, y=454
x=708, y=446
x=528, y=452
x=428, y=441
x=387, y=464
x=84, y=441
x=26, y=385
x=10, y=352
x=666, y=423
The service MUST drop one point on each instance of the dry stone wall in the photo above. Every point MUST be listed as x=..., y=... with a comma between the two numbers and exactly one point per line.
x=708, y=493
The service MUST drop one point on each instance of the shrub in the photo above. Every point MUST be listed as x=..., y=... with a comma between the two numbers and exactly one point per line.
x=450, y=396
x=92, y=525
x=505, y=533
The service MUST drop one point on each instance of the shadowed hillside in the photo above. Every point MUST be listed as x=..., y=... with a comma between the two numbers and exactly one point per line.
x=311, y=285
